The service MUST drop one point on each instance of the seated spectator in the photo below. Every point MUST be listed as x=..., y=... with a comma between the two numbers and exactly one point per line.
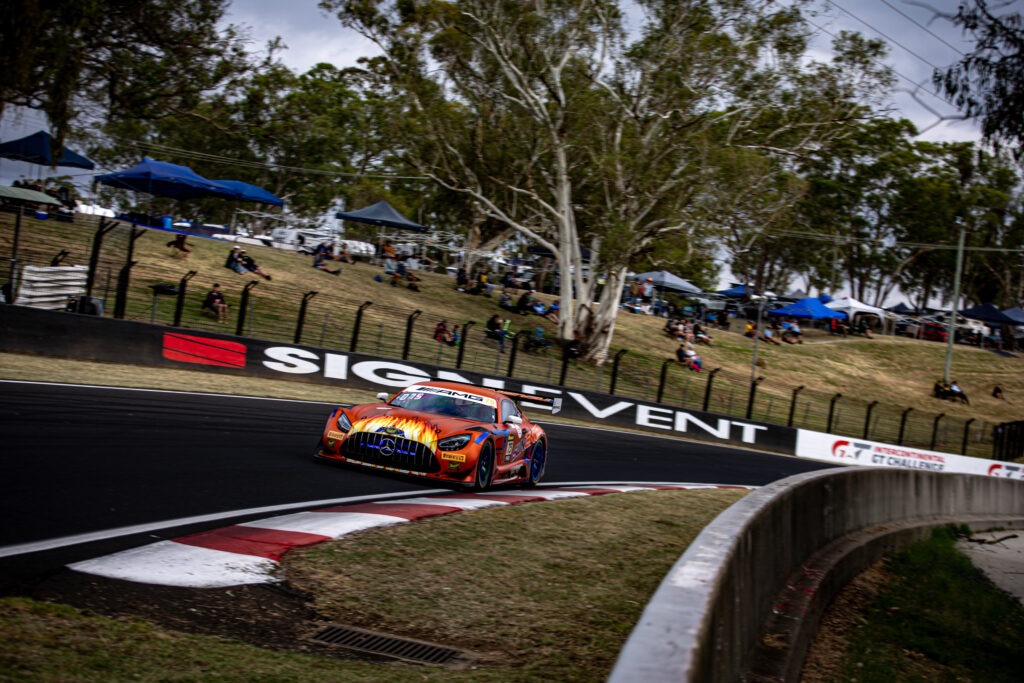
x=388, y=250
x=497, y=328
x=552, y=311
x=696, y=363
x=525, y=304
x=701, y=336
x=180, y=244
x=318, y=263
x=505, y=301
x=234, y=261
x=997, y=392
x=216, y=304
x=684, y=353
x=750, y=330
x=461, y=279
x=792, y=334
x=343, y=255
x=864, y=328
x=442, y=333
x=768, y=335
x=252, y=266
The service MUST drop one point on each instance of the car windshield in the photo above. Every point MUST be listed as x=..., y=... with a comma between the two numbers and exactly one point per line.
x=447, y=402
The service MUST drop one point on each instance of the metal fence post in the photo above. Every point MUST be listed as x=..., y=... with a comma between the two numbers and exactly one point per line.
x=707, y=389
x=903, y=425
x=792, y=405
x=935, y=430
x=967, y=430
x=243, y=306
x=661, y=381
x=867, y=417
x=302, y=315
x=179, y=304
x=94, y=260
x=753, y=393
x=512, y=355
x=123, y=282
x=462, y=344
x=408, y=333
x=615, y=370
x=355, y=327
x=832, y=412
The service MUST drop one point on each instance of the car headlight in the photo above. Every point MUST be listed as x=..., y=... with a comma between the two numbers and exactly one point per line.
x=343, y=422
x=454, y=443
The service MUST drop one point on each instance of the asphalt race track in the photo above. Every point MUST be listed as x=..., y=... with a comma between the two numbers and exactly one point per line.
x=80, y=460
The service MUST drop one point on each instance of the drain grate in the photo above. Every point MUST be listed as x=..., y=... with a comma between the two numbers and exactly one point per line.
x=386, y=645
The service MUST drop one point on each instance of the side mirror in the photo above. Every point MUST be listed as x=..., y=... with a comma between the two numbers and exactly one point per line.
x=382, y=396
x=513, y=420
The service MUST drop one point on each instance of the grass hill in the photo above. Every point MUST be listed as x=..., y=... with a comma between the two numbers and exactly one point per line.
x=895, y=372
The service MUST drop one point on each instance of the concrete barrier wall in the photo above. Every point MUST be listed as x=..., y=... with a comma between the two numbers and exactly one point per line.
x=773, y=562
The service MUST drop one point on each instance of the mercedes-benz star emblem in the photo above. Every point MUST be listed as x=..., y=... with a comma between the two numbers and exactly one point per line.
x=387, y=447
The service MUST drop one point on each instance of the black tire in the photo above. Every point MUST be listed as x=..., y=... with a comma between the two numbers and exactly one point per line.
x=538, y=463
x=484, y=468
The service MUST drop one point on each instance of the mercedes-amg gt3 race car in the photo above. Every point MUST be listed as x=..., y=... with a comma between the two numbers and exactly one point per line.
x=461, y=434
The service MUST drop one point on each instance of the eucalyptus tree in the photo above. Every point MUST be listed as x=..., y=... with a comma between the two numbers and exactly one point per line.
x=130, y=59
x=988, y=82
x=594, y=140
x=304, y=137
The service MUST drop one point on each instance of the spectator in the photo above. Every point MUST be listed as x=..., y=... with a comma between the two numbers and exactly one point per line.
x=180, y=244
x=750, y=330
x=768, y=335
x=388, y=250
x=505, y=301
x=318, y=263
x=461, y=279
x=343, y=255
x=234, y=261
x=252, y=266
x=525, y=303
x=552, y=311
x=864, y=328
x=634, y=292
x=497, y=328
x=792, y=334
x=442, y=334
x=997, y=392
x=216, y=304
x=701, y=336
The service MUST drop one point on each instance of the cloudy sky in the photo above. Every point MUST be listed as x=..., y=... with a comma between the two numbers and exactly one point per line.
x=918, y=42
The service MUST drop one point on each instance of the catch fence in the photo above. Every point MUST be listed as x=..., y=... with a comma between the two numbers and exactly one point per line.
x=333, y=318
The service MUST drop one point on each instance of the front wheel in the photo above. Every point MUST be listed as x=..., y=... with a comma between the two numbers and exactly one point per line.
x=538, y=461
x=484, y=468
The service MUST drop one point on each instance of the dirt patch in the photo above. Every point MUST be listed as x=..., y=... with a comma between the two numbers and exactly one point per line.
x=271, y=616
x=825, y=658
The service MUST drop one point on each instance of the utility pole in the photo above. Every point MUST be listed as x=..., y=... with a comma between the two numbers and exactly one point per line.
x=951, y=325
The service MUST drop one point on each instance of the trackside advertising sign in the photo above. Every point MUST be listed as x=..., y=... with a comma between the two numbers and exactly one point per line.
x=69, y=335
x=844, y=450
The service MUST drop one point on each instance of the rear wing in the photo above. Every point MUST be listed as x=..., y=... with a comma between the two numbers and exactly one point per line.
x=552, y=402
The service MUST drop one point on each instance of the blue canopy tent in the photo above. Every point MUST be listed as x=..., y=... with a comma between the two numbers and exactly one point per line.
x=250, y=193
x=811, y=307
x=1017, y=313
x=38, y=149
x=164, y=179
x=989, y=314
x=736, y=291
x=383, y=214
x=665, y=280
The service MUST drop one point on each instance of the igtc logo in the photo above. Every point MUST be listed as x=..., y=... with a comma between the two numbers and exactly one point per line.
x=847, y=450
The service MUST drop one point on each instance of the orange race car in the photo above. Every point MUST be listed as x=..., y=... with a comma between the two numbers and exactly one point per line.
x=450, y=432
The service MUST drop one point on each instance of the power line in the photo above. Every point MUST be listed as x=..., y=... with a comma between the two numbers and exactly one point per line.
x=923, y=27
x=881, y=33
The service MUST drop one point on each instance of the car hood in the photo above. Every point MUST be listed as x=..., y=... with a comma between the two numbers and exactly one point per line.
x=425, y=428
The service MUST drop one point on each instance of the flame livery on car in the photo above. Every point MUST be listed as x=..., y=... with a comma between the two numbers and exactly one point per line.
x=450, y=432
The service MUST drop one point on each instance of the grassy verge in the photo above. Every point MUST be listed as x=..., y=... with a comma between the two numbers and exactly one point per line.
x=540, y=592
x=937, y=618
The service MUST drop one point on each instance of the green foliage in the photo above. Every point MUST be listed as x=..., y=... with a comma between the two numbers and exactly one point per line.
x=938, y=618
